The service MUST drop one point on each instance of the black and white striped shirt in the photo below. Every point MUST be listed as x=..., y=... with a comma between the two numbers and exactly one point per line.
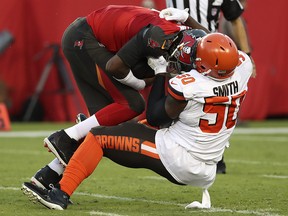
x=207, y=12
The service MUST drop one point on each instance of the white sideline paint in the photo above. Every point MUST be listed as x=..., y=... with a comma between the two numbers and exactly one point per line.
x=20, y=134
x=282, y=130
x=103, y=213
x=261, y=212
x=256, y=162
x=275, y=176
x=159, y=178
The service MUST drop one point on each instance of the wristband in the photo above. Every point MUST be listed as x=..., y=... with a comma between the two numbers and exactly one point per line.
x=132, y=81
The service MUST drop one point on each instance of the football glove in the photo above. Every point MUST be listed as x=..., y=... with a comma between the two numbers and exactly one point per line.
x=159, y=65
x=206, y=202
x=174, y=14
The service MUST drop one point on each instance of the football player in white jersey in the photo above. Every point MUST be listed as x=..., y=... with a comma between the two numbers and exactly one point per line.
x=207, y=13
x=203, y=106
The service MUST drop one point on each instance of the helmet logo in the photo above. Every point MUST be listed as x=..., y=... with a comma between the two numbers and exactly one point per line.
x=186, y=49
x=152, y=43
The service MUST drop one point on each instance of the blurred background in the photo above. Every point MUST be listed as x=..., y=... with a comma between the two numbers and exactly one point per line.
x=36, y=83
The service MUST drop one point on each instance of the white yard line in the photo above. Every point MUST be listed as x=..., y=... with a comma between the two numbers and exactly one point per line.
x=261, y=212
x=103, y=213
x=248, y=130
x=21, y=134
x=275, y=176
x=159, y=178
x=256, y=162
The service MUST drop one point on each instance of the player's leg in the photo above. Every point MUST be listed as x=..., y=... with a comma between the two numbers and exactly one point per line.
x=98, y=90
x=221, y=166
x=95, y=96
x=48, y=176
x=128, y=144
x=81, y=165
x=132, y=145
x=125, y=103
x=76, y=45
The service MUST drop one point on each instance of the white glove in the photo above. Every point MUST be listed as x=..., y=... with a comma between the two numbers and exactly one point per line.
x=206, y=202
x=174, y=14
x=159, y=65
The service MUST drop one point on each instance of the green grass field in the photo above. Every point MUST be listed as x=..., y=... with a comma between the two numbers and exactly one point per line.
x=256, y=182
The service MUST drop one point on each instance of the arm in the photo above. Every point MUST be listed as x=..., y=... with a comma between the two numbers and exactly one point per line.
x=174, y=14
x=240, y=33
x=162, y=109
x=241, y=38
x=232, y=11
x=117, y=68
x=120, y=66
x=122, y=73
x=194, y=24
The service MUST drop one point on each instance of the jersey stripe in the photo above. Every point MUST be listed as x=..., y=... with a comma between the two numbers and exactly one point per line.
x=175, y=94
x=149, y=149
x=98, y=72
x=198, y=11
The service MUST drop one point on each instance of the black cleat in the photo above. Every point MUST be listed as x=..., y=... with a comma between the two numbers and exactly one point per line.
x=80, y=118
x=46, y=178
x=52, y=199
x=61, y=145
x=221, y=167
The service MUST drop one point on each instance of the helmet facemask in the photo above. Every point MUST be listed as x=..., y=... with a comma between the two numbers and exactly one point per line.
x=180, y=51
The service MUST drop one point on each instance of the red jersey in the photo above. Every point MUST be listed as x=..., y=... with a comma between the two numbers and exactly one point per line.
x=115, y=25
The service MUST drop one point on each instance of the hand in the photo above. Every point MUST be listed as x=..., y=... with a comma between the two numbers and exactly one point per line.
x=174, y=14
x=159, y=65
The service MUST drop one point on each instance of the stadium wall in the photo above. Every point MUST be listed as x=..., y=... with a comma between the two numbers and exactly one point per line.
x=37, y=24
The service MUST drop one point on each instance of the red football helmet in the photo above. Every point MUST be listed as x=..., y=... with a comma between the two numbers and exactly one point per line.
x=216, y=56
x=180, y=51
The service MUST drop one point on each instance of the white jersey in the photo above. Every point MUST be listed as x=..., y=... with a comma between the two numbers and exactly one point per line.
x=207, y=12
x=204, y=127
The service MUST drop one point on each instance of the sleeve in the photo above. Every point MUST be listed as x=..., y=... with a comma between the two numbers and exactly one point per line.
x=175, y=89
x=232, y=9
x=156, y=114
x=132, y=51
x=142, y=70
x=246, y=64
x=146, y=43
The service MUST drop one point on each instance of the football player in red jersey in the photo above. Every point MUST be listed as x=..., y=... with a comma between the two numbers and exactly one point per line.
x=107, y=51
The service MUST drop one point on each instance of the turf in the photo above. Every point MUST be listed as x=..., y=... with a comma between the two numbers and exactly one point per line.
x=256, y=182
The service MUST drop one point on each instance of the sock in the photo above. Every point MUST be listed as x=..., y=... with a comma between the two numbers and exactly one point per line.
x=82, y=164
x=114, y=114
x=56, y=166
x=80, y=130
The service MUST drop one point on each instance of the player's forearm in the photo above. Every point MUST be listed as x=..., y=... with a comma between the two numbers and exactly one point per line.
x=117, y=68
x=194, y=24
x=156, y=113
x=241, y=35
